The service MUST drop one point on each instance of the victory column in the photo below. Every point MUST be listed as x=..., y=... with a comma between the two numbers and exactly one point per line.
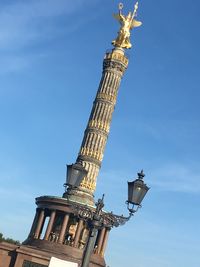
x=98, y=127
x=70, y=228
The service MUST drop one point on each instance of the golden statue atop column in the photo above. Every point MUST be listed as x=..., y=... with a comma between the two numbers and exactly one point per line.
x=127, y=24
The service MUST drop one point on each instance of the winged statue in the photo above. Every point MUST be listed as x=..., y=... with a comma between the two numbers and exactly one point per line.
x=127, y=24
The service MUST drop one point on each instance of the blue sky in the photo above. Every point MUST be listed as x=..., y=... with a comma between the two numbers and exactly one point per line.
x=51, y=62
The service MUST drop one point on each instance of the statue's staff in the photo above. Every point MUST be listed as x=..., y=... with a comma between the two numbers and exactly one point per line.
x=135, y=10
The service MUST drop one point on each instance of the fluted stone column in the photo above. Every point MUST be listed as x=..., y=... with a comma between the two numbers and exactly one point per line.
x=98, y=127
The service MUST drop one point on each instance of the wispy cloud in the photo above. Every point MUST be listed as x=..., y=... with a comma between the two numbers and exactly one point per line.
x=164, y=242
x=27, y=23
x=15, y=63
x=180, y=128
x=21, y=193
x=177, y=178
x=171, y=177
x=11, y=180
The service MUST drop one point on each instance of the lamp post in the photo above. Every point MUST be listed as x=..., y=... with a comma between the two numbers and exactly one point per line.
x=99, y=219
x=95, y=224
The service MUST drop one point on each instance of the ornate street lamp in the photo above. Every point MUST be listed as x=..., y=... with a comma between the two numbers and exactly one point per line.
x=99, y=219
x=136, y=192
x=75, y=174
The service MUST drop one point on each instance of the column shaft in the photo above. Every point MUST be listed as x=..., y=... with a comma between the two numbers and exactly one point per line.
x=98, y=127
x=39, y=225
x=105, y=240
x=34, y=224
x=100, y=240
x=63, y=229
x=78, y=232
x=50, y=225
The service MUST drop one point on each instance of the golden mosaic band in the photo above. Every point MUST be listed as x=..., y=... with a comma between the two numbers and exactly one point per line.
x=91, y=153
x=101, y=125
x=88, y=185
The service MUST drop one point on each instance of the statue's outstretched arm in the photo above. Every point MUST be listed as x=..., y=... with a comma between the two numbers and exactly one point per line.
x=119, y=17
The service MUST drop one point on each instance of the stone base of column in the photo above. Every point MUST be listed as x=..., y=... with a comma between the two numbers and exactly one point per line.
x=40, y=252
x=67, y=247
x=80, y=196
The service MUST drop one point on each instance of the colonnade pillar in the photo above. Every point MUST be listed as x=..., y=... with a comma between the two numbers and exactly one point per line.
x=39, y=224
x=63, y=229
x=105, y=240
x=50, y=225
x=78, y=232
x=34, y=223
x=100, y=240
